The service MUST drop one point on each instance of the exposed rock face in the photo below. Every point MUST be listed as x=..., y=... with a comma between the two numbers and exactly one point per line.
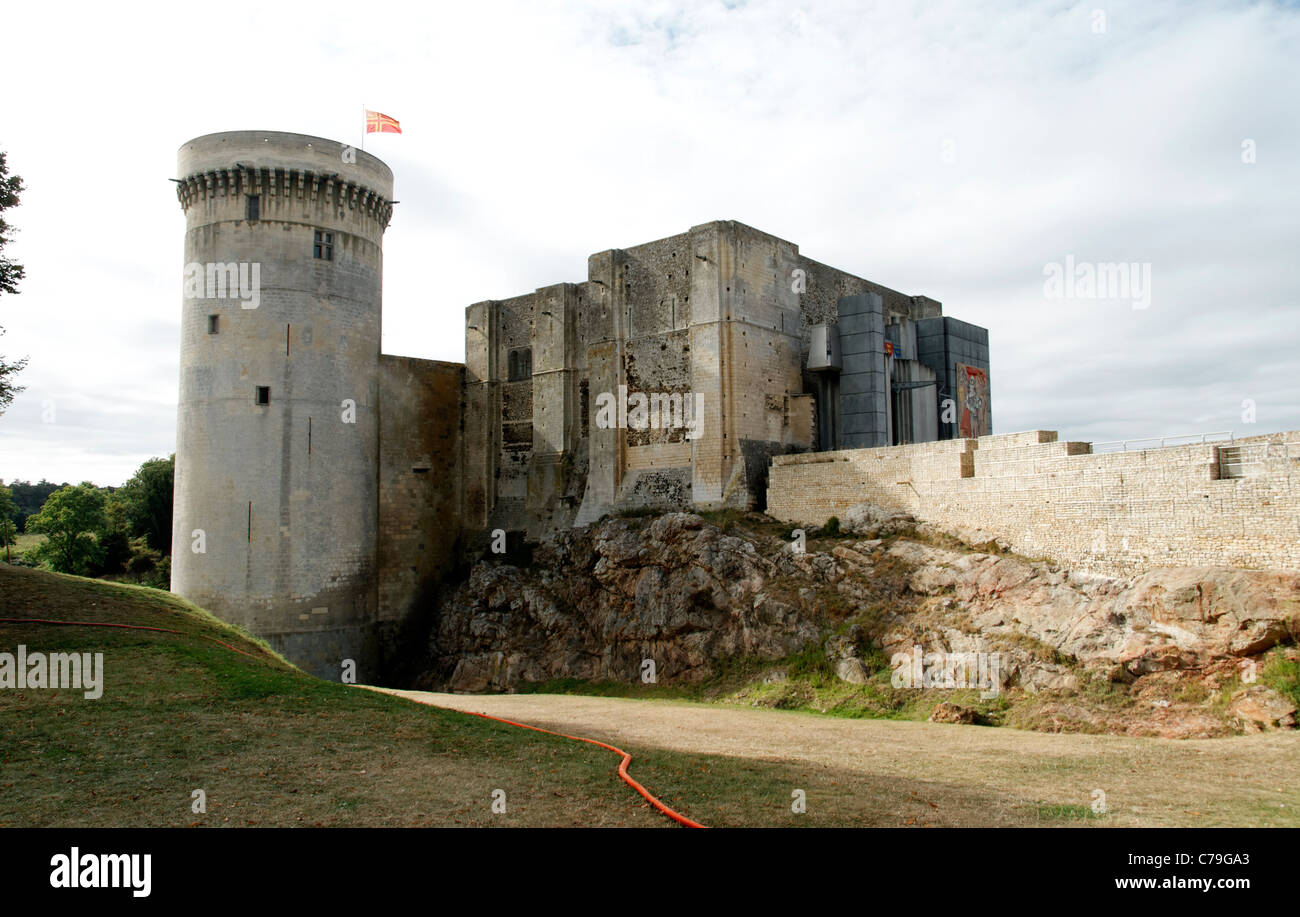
x=871, y=521
x=954, y=713
x=596, y=603
x=1176, y=618
x=1258, y=708
x=842, y=651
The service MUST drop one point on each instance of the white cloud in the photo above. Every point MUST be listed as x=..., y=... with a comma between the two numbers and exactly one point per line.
x=537, y=134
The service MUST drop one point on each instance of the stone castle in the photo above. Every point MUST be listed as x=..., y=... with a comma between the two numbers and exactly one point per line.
x=322, y=485
x=324, y=488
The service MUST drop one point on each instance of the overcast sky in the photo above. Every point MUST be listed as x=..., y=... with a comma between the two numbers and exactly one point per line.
x=953, y=150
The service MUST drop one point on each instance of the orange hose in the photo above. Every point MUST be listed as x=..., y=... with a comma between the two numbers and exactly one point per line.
x=622, y=768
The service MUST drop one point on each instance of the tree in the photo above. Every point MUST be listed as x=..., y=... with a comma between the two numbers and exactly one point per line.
x=8, y=513
x=113, y=538
x=31, y=497
x=10, y=273
x=69, y=518
x=147, y=499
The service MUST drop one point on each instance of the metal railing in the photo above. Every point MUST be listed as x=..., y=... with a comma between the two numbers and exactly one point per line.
x=1161, y=442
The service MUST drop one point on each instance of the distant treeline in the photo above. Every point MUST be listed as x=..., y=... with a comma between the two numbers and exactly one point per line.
x=116, y=532
x=29, y=498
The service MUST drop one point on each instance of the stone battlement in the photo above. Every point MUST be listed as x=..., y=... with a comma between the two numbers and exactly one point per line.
x=1233, y=503
x=282, y=167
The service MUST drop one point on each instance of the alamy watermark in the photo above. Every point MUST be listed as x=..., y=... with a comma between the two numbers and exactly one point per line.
x=240, y=280
x=1104, y=280
x=103, y=870
x=918, y=669
x=651, y=411
x=55, y=671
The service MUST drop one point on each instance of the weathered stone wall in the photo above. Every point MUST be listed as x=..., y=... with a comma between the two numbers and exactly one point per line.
x=659, y=365
x=419, y=478
x=656, y=280
x=1115, y=513
x=826, y=285
x=516, y=317
x=745, y=359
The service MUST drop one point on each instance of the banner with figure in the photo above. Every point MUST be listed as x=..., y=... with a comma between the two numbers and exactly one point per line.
x=973, y=418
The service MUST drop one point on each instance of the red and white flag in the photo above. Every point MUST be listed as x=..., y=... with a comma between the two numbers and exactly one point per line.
x=381, y=124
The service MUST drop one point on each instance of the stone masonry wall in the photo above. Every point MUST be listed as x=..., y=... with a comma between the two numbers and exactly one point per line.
x=419, y=478
x=1115, y=513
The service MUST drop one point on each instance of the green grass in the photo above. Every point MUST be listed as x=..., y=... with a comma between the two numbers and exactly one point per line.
x=1283, y=676
x=1066, y=812
x=24, y=542
x=803, y=681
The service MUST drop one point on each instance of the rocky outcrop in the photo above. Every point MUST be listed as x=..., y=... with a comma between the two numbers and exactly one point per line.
x=606, y=602
x=842, y=651
x=955, y=713
x=871, y=521
x=1175, y=618
x=673, y=598
x=1257, y=708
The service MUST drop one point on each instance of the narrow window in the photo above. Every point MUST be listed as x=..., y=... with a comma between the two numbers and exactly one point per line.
x=309, y=436
x=250, y=520
x=323, y=246
x=214, y=324
x=286, y=340
x=418, y=470
x=584, y=404
x=253, y=208
x=520, y=364
x=263, y=395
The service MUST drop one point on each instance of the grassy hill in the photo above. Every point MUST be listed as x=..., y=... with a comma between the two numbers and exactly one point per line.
x=268, y=744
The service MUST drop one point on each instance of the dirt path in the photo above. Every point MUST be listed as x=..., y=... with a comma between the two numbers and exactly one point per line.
x=1248, y=780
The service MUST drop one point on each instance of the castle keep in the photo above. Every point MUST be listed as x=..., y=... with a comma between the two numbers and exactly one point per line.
x=322, y=486
x=774, y=351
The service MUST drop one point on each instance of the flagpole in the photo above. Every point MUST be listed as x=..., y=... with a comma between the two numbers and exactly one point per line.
x=363, y=126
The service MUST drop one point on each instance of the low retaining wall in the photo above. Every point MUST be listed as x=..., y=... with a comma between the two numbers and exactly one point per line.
x=1209, y=504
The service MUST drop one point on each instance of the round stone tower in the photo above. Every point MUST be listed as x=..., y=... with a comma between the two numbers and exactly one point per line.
x=277, y=435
